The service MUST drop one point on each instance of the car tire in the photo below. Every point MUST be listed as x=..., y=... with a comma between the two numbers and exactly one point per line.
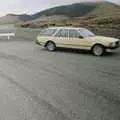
x=98, y=50
x=51, y=46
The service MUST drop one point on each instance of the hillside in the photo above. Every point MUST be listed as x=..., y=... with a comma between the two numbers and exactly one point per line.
x=79, y=14
x=105, y=9
x=74, y=10
x=80, y=9
x=12, y=18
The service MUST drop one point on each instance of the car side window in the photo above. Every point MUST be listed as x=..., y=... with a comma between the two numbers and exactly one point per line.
x=62, y=33
x=74, y=33
x=48, y=32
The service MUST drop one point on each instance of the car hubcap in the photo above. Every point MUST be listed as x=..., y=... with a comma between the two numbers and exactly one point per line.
x=51, y=46
x=98, y=50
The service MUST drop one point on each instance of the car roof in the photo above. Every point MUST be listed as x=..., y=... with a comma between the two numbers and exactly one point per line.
x=65, y=28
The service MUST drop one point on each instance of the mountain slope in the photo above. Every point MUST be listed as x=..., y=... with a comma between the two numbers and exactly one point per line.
x=12, y=18
x=77, y=14
x=74, y=10
x=105, y=9
x=80, y=9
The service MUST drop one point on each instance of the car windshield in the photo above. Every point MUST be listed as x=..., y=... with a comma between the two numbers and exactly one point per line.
x=86, y=33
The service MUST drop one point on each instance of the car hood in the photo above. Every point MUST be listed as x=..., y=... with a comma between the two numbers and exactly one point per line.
x=106, y=39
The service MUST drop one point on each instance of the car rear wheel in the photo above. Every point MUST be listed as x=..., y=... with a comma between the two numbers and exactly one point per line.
x=98, y=50
x=50, y=46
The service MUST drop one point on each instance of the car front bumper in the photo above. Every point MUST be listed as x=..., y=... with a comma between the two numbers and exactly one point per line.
x=114, y=47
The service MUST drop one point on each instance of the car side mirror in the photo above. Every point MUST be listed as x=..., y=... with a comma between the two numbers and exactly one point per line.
x=81, y=37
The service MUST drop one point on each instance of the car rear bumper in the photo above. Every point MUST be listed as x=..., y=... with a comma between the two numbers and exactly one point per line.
x=40, y=43
x=37, y=42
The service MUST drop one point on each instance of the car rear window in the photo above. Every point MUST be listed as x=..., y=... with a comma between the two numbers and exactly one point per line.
x=47, y=32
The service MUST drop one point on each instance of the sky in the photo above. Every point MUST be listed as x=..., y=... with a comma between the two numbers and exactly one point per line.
x=33, y=6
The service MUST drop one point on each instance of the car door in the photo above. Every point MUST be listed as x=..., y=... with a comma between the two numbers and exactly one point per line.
x=61, y=38
x=76, y=40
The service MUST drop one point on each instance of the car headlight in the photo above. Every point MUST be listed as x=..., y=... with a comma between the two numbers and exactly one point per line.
x=113, y=44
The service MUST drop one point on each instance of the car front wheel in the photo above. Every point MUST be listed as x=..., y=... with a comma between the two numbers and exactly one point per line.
x=50, y=46
x=98, y=50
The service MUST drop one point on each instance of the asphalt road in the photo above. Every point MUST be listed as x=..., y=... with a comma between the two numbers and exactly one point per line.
x=64, y=85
